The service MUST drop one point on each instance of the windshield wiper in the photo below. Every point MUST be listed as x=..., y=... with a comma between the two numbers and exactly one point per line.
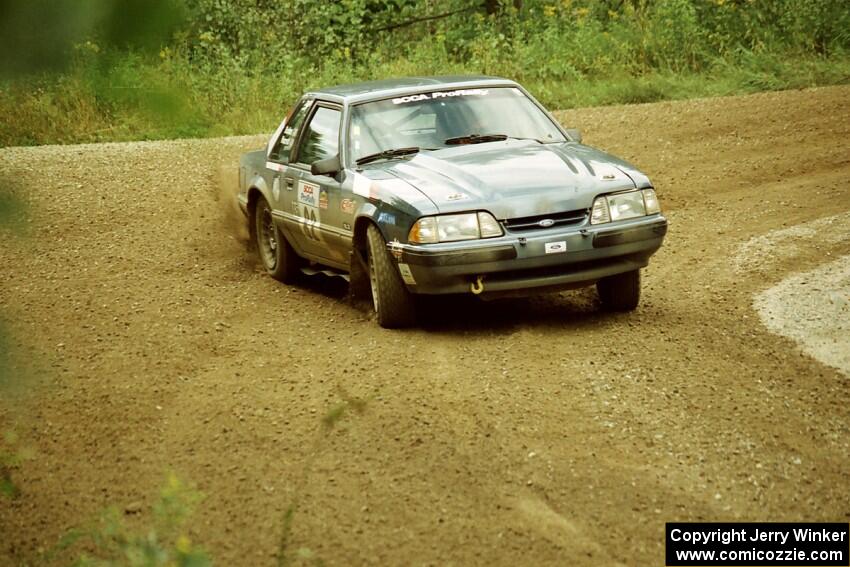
x=386, y=154
x=482, y=138
x=475, y=139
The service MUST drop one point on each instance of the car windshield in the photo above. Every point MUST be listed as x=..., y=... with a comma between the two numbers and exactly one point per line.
x=440, y=119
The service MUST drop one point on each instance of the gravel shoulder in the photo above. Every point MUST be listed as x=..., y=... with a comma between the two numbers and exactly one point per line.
x=813, y=309
x=525, y=431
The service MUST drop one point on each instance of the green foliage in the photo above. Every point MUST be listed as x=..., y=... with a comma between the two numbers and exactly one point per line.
x=212, y=67
x=109, y=542
x=38, y=36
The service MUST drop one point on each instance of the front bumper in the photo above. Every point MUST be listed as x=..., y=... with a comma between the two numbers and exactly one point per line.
x=519, y=262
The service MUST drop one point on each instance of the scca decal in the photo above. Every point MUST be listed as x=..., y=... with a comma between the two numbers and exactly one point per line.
x=308, y=194
x=440, y=94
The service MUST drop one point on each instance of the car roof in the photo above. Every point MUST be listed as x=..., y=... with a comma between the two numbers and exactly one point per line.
x=374, y=90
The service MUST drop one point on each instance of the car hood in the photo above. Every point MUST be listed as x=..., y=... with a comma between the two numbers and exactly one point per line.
x=516, y=178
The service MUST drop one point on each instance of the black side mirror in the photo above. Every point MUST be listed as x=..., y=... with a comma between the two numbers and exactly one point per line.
x=329, y=166
x=574, y=134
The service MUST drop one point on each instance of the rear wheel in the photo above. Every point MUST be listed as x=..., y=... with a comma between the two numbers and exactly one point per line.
x=277, y=256
x=620, y=292
x=393, y=303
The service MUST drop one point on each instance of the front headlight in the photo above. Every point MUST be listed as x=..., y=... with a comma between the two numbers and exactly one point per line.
x=452, y=228
x=626, y=205
x=457, y=227
x=621, y=206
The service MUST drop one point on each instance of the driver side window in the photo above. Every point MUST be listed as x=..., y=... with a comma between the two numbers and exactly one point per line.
x=321, y=136
x=283, y=147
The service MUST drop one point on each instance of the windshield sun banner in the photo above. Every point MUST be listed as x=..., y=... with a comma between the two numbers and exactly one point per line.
x=440, y=94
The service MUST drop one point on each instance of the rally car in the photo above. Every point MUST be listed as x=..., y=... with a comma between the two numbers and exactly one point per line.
x=445, y=185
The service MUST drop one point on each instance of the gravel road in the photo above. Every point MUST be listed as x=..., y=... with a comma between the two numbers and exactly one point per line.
x=520, y=432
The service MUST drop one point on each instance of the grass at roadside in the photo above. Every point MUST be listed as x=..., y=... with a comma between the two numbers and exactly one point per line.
x=169, y=99
x=153, y=69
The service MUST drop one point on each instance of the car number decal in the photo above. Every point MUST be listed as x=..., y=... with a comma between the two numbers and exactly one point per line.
x=310, y=222
x=307, y=208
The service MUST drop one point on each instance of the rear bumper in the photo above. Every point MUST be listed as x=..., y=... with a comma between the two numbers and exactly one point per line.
x=520, y=263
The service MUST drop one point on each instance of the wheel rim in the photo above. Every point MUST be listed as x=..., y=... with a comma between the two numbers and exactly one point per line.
x=267, y=238
x=373, y=281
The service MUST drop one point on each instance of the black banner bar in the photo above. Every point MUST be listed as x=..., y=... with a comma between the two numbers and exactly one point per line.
x=764, y=544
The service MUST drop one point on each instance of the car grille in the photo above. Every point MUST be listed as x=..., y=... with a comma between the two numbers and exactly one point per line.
x=558, y=220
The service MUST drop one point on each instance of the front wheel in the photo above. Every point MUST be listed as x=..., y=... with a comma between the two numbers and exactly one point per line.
x=620, y=292
x=278, y=257
x=393, y=303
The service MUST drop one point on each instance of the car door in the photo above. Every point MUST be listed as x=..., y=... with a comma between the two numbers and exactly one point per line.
x=315, y=199
x=279, y=153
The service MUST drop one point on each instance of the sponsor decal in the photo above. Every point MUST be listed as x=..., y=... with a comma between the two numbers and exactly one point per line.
x=275, y=166
x=323, y=199
x=556, y=247
x=308, y=193
x=386, y=218
x=406, y=274
x=439, y=95
x=457, y=197
x=346, y=226
x=307, y=207
x=347, y=206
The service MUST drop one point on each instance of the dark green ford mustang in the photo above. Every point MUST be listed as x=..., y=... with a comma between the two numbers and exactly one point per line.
x=439, y=185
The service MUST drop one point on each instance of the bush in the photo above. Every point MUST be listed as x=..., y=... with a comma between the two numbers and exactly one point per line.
x=109, y=542
x=232, y=67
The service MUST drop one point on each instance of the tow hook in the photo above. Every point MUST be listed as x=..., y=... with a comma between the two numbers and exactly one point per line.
x=477, y=286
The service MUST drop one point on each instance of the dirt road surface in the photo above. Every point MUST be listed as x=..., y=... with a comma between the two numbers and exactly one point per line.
x=521, y=432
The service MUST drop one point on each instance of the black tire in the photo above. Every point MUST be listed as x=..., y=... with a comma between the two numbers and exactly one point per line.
x=359, y=286
x=392, y=302
x=620, y=292
x=276, y=254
